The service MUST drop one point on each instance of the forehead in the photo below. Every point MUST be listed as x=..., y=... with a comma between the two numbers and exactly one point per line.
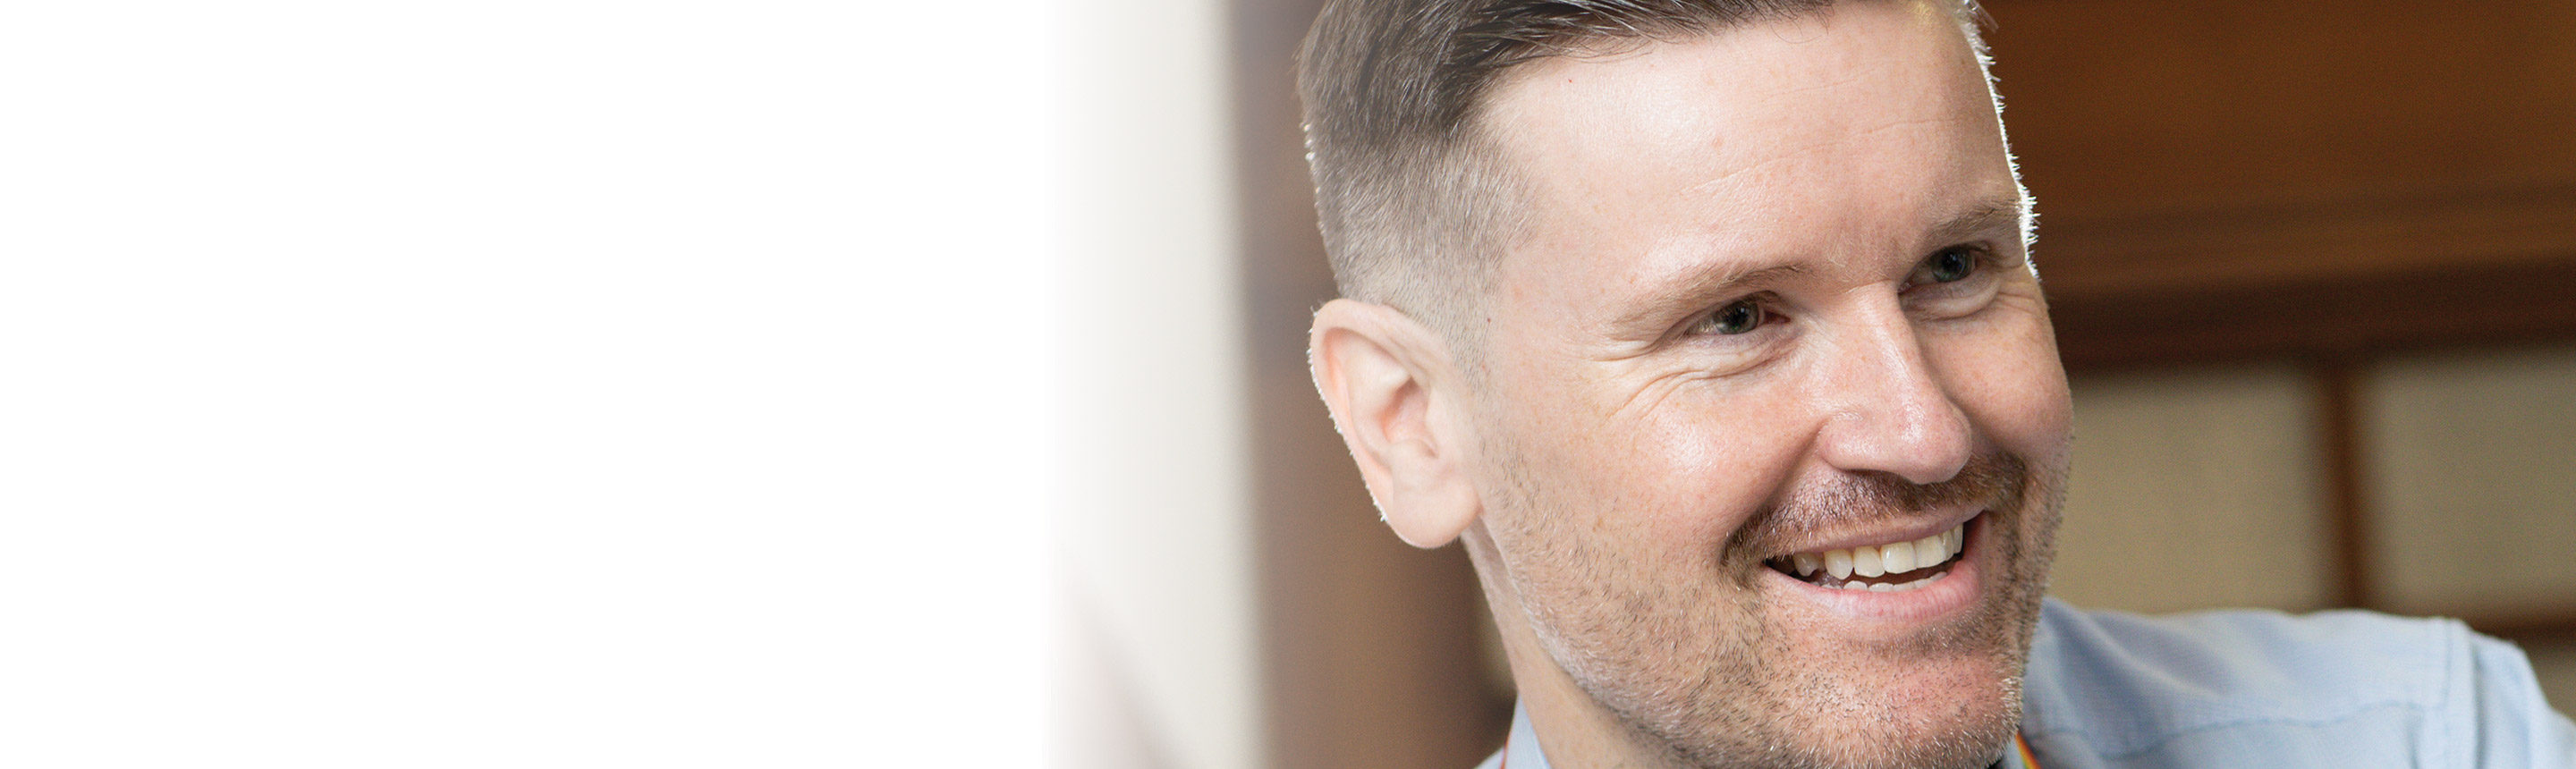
x=1807, y=137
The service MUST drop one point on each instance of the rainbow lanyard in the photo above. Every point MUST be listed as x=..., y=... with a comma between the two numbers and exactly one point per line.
x=2028, y=761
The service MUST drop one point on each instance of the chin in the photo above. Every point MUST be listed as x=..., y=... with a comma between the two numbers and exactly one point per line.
x=1914, y=715
x=1757, y=666
x=1815, y=690
x=1856, y=708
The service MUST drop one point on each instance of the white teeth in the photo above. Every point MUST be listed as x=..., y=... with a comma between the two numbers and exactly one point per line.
x=1890, y=558
x=1897, y=558
x=1882, y=587
x=1865, y=562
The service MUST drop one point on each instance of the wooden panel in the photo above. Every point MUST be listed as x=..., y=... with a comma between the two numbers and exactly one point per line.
x=2139, y=107
x=2430, y=308
x=2194, y=489
x=2474, y=484
x=2222, y=179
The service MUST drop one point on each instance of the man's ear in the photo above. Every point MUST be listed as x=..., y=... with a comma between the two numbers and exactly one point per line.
x=1385, y=378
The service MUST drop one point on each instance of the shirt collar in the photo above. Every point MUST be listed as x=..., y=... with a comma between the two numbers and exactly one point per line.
x=1520, y=750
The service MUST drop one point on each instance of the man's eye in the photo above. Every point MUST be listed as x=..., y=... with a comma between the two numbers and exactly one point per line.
x=1743, y=316
x=1951, y=265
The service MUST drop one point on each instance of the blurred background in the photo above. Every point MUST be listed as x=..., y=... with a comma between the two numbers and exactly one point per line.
x=2313, y=270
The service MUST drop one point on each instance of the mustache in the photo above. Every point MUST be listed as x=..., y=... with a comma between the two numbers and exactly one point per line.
x=1992, y=480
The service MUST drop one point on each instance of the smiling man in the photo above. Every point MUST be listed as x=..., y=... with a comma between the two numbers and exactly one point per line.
x=1711, y=329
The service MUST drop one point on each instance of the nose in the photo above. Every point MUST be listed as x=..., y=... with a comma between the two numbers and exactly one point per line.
x=1887, y=409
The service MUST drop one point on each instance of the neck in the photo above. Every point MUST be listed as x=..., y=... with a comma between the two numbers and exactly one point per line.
x=1578, y=733
x=1575, y=730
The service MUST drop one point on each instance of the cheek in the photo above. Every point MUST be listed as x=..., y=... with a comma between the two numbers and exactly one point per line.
x=1685, y=474
x=2010, y=384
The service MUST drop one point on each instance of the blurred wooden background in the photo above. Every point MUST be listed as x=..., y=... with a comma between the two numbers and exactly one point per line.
x=2313, y=268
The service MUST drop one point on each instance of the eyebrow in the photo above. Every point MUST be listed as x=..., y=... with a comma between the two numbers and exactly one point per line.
x=1991, y=215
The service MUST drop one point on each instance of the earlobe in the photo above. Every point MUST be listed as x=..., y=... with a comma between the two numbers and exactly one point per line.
x=1385, y=377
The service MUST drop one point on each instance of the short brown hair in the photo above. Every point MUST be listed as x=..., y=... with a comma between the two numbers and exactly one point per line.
x=1414, y=203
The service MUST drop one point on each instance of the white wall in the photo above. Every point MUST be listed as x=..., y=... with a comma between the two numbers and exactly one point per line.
x=522, y=383
x=1155, y=547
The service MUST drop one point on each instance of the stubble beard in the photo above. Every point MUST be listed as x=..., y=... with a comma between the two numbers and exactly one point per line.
x=1697, y=666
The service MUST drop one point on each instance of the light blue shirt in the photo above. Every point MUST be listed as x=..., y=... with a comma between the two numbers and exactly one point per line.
x=2260, y=689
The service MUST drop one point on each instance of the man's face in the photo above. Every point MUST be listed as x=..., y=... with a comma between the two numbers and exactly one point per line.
x=1774, y=306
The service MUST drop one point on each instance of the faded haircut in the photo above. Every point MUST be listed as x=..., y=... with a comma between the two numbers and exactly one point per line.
x=1415, y=203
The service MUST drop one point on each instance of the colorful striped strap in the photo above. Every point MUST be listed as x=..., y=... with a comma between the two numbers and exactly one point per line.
x=2028, y=761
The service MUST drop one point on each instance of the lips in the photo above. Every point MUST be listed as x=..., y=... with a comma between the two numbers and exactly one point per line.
x=1884, y=567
